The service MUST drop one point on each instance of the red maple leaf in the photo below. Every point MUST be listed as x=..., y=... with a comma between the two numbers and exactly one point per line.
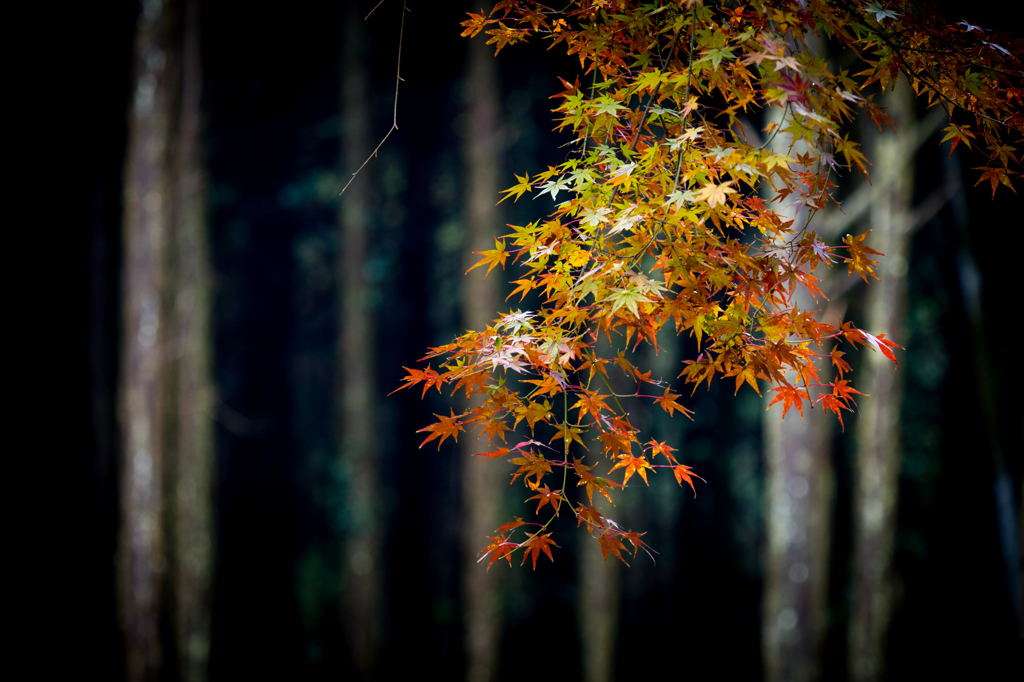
x=500, y=548
x=609, y=542
x=535, y=544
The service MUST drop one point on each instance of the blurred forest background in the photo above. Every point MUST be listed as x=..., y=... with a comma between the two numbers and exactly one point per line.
x=240, y=497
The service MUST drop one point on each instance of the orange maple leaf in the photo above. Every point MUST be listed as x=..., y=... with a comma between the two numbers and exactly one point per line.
x=547, y=496
x=634, y=539
x=492, y=257
x=447, y=426
x=570, y=434
x=593, y=482
x=790, y=396
x=859, y=259
x=530, y=465
x=633, y=465
x=590, y=402
x=428, y=376
x=592, y=516
x=661, y=449
x=535, y=544
x=669, y=404
x=685, y=473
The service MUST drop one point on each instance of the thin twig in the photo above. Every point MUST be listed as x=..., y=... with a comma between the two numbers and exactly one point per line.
x=398, y=79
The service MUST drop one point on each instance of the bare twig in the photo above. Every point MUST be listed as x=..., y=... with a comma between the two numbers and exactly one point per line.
x=398, y=79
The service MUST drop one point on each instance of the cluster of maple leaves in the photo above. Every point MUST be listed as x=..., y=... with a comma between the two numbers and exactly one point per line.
x=665, y=214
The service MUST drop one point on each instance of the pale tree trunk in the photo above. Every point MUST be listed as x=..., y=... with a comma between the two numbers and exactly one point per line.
x=482, y=482
x=798, y=498
x=361, y=562
x=147, y=200
x=191, y=470
x=598, y=604
x=877, y=431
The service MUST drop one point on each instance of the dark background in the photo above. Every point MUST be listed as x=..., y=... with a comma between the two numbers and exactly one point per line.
x=271, y=99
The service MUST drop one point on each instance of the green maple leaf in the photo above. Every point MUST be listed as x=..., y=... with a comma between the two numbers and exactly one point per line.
x=629, y=298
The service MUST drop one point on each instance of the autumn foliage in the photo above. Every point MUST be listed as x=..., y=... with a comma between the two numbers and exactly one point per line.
x=667, y=214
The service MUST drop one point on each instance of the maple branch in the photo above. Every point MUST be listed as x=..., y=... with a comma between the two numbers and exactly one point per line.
x=398, y=79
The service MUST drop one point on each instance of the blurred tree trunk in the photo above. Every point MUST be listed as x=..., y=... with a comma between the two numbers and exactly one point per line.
x=192, y=460
x=362, y=562
x=147, y=205
x=877, y=431
x=597, y=608
x=799, y=493
x=482, y=482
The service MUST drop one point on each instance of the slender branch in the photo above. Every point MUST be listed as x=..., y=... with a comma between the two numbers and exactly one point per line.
x=398, y=79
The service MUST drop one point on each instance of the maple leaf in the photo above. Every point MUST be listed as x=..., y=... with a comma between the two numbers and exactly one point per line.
x=523, y=288
x=592, y=516
x=494, y=427
x=533, y=412
x=590, y=402
x=661, y=449
x=627, y=297
x=685, y=473
x=616, y=440
x=474, y=24
x=447, y=426
x=995, y=176
x=879, y=343
x=842, y=390
x=634, y=539
x=548, y=385
x=511, y=525
x=530, y=465
x=500, y=452
x=547, y=496
x=957, y=134
x=593, y=482
x=492, y=257
x=610, y=543
x=518, y=190
x=428, y=376
x=715, y=194
x=842, y=366
x=789, y=396
x=833, y=404
x=669, y=404
x=859, y=259
x=570, y=434
x=633, y=465
x=535, y=544
x=500, y=548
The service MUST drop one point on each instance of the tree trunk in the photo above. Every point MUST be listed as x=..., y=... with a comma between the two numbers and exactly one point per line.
x=598, y=609
x=600, y=584
x=146, y=203
x=362, y=562
x=877, y=433
x=799, y=493
x=192, y=469
x=482, y=482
